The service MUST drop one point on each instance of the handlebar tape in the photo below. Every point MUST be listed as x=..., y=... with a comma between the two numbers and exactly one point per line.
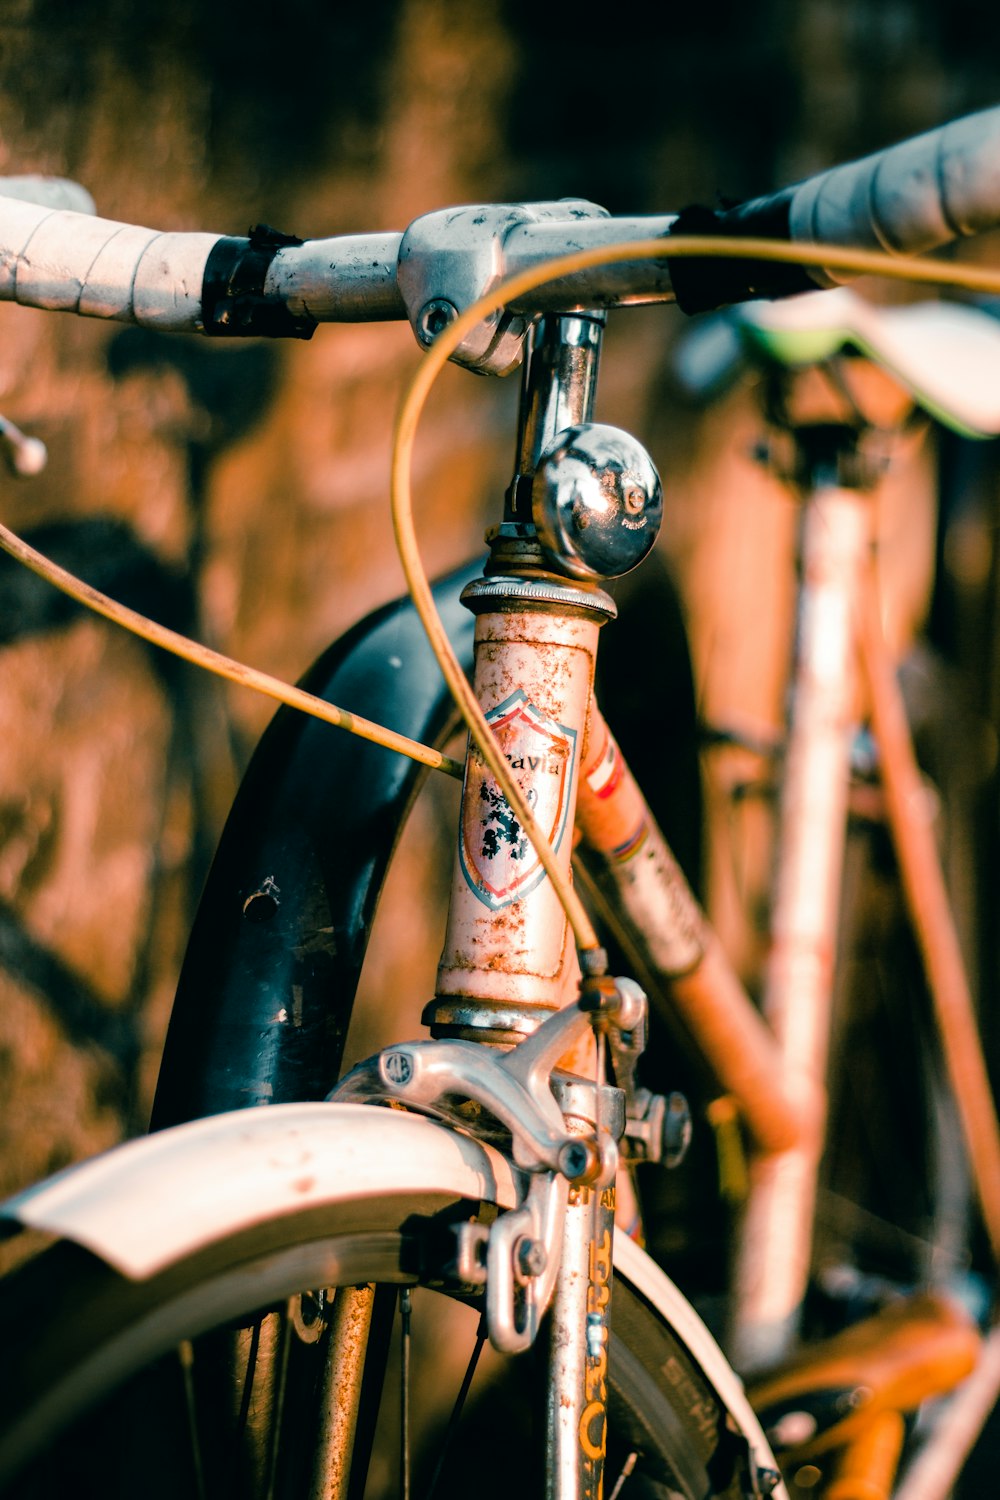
x=906, y=199
x=69, y=262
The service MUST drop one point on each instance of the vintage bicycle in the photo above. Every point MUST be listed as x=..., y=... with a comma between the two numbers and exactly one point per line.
x=249, y=1261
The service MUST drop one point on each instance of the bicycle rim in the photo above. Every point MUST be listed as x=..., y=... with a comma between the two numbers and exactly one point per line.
x=103, y=1370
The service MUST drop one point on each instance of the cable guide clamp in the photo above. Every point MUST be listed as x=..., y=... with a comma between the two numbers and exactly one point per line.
x=233, y=301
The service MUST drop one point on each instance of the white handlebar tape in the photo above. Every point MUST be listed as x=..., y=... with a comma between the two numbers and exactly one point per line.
x=71, y=262
x=937, y=187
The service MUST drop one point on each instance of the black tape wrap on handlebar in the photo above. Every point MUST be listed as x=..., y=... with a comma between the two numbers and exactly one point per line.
x=232, y=297
x=702, y=283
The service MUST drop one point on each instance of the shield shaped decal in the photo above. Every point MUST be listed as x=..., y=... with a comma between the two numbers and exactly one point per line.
x=497, y=859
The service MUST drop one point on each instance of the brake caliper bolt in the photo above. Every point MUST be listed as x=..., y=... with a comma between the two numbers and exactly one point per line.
x=530, y=1257
x=579, y=1161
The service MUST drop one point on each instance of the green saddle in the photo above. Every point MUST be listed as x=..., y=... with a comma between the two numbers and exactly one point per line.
x=946, y=354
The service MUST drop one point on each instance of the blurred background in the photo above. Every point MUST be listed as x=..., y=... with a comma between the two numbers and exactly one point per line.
x=239, y=493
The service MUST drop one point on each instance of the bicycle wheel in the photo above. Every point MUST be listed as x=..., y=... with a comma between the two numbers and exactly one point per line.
x=100, y=1367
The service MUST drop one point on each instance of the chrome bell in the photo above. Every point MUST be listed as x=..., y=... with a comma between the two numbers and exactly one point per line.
x=596, y=501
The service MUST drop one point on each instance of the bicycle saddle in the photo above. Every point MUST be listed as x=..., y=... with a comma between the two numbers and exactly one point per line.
x=946, y=354
x=913, y=1350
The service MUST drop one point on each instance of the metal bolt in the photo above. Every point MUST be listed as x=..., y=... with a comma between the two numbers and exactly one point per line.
x=578, y=1160
x=530, y=1257
x=434, y=318
x=676, y=1130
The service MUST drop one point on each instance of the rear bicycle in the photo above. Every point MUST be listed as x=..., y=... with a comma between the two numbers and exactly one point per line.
x=893, y=1207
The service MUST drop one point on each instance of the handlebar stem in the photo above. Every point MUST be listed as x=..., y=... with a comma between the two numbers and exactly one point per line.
x=449, y=259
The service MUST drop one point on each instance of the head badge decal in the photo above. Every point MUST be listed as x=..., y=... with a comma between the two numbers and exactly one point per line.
x=497, y=858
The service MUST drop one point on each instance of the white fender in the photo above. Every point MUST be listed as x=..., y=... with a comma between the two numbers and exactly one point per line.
x=232, y=1171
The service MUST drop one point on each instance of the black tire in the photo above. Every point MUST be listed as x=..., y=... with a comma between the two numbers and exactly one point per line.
x=92, y=1388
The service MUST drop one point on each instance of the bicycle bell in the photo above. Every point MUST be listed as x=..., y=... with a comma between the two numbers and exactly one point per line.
x=596, y=501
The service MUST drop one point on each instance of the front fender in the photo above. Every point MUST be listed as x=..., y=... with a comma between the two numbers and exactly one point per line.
x=154, y=1201
x=268, y=982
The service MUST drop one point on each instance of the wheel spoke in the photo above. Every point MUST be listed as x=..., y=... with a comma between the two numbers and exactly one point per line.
x=185, y=1357
x=404, y=1394
x=626, y=1470
x=457, y=1409
x=278, y=1402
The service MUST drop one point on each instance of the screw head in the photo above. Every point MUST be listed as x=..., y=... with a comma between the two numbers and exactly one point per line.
x=579, y=1161
x=434, y=318
x=530, y=1257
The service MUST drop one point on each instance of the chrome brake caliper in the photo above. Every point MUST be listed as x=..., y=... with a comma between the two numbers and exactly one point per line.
x=517, y=1257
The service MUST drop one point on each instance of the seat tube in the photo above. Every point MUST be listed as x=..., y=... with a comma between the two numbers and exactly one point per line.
x=775, y=1246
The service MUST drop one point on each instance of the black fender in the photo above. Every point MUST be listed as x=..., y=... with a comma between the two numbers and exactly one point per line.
x=268, y=981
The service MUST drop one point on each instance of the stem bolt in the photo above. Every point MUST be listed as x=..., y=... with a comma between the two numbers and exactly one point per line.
x=434, y=318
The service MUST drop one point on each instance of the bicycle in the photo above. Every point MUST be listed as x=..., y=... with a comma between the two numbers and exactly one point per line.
x=272, y=1208
x=831, y=456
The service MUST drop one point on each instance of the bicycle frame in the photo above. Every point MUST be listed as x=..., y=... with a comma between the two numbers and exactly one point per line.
x=839, y=631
